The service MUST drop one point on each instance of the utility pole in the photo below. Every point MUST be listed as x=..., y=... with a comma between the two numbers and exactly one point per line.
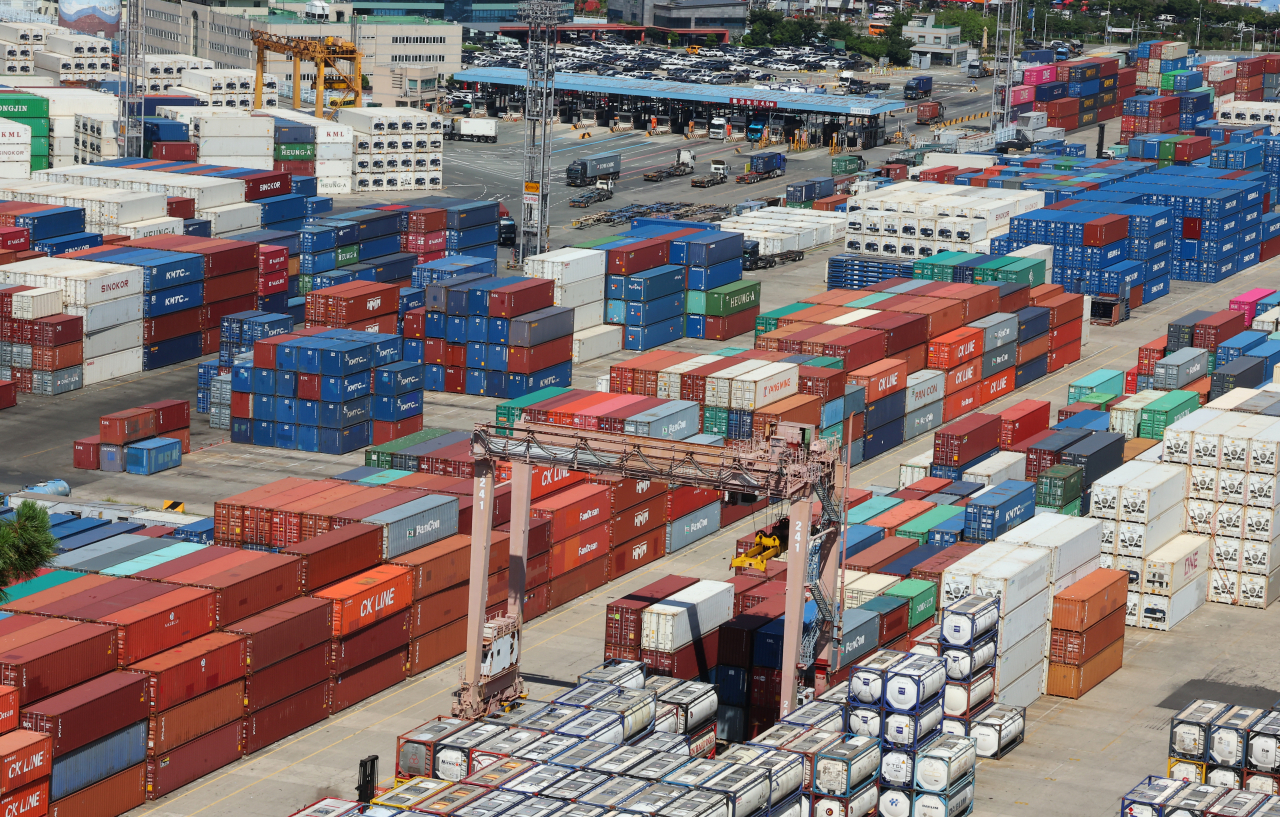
x=542, y=18
x=130, y=140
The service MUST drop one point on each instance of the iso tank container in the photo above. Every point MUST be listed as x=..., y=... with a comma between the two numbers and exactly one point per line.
x=695, y=704
x=843, y=769
x=747, y=787
x=685, y=616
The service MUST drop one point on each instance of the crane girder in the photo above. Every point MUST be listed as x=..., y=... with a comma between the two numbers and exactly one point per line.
x=327, y=54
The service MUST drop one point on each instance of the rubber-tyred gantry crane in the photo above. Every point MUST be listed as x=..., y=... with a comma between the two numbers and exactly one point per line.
x=325, y=53
x=793, y=464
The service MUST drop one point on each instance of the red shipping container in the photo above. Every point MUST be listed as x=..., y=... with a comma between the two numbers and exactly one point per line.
x=278, y=681
x=231, y=285
x=1066, y=333
x=730, y=326
x=162, y=622
x=1106, y=229
x=573, y=510
x=176, y=768
x=26, y=756
x=967, y=439
x=265, y=184
x=180, y=207
x=56, y=330
x=880, y=379
x=170, y=326
x=1063, y=308
x=193, y=668
x=373, y=595
x=954, y=348
x=85, y=453
x=87, y=712
x=337, y=554
x=627, y=492
x=530, y=359
x=32, y=800
x=883, y=552
x=575, y=551
x=175, y=152
x=961, y=403
x=385, y=431
x=61, y=660
x=378, y=639
x=637, y=257
x=686, y=499
x=15, y=239
x=1032, y=349
x=127, y=426
x=1063, y=356
x=688, y=662
x=107, y=798
x=963, y=377
x=638, y=519
x=996, y=386
x=170, y=414
x=288, y=629
x=365, y=681
x=249, y=587
x=522, y=297
x=575, y=583
x=636, y=553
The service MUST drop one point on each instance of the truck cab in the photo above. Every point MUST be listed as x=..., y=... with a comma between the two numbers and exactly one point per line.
x=918, y=88
x=506, y=232
x=756, y=128
x=719, y=128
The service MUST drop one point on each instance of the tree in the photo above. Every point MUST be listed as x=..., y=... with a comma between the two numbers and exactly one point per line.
x=711, y=40
x=788, y=32
x=25, y=544
x=673, y=39
x=839, y=30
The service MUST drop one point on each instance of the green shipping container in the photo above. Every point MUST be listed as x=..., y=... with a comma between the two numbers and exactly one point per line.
x=1099, y=399
x=380, y=455
x=39, y=145
x=729, y=351
x=592, y=243
x=827, y=362
x=921, y=596
x=987, y=272
x=1072, y=508
x=768, y=321
x=24, y=106
x=39, y=162
x=305, y=152
x=39, y=127
x=1104, y=380
x=715, y=420
x=1160, y=414
x=390, y=475
x=726, y=300
x=870, y=509
x=1058, y=485
x=348, y=255
x=801, y=205
x=508, y=413
x=832, y=432
x=1022, y=271
x=870, y=300
x=919, y=527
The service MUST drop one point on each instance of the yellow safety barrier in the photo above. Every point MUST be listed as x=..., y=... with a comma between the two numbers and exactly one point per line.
x=586, y=135
x=962, y=119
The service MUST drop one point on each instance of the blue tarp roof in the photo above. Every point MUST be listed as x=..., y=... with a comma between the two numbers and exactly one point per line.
x=720, y=94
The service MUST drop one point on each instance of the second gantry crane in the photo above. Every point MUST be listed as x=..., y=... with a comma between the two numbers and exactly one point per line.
x=326, y=53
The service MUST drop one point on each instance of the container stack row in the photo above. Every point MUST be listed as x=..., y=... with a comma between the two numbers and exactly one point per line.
x=144, y=440
x=334, y=150
x=1216, y=747
x=41, y=348
x=1086, y=643
x=24, y=142
x=228, y=88
x=398, y=149
x=1075, y=93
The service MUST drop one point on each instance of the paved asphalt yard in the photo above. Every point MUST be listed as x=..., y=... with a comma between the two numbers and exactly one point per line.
x=1079, y=756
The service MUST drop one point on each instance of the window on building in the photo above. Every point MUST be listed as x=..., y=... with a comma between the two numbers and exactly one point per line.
x=920, y=38
x=413, y=85
x=937, y=41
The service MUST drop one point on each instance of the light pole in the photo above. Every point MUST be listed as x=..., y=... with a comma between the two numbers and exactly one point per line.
x=1198, y=20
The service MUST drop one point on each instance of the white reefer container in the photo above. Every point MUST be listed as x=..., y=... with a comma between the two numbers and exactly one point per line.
x=1000, y=467
x=40, y=302
x=1164, y=612
x=1178, y=435
x=106, y=314
x=1153, y=492
x=1140, y=539
x=586, y=291
x=119, y=364
x=1071, y=540
x=113, y=339
x=567, y=266
x=1104, y=501
x=597, y=341
x=719, y=386
x=1264, y=450
x=1014, y=578
x=1206, y=441
x=957, y=578
x=687, y=615
x=765, y=385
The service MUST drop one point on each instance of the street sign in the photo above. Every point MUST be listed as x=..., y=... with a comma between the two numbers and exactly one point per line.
x=532, y=187
x=860, y=111
x=531, y=198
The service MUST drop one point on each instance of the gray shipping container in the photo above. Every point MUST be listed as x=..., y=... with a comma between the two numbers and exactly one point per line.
x=997, y=330
x=852, y=453
x=541, y=326
x=603, y=163
x=59, y=382
x=718, y=439
x=1181, y=367
x=923, y=419
x=860, y=634
x=416, y=523
x=925, y=387
x=855, y=400
x=98, y=760
x=113, y=551
x=690, y=528
x=676, y=420
x=999, y=359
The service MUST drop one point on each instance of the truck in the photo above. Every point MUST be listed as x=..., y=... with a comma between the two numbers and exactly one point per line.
x=757, y=126
x=586, y=171
x=506, y=231
x=977, y=70
x=918, y=88
x=753, y=260
x=764, y=166
x=603, y=191
x=467, y=129
x=682, y=166
x=719, y=175
x=719, y=128
x=929, y=113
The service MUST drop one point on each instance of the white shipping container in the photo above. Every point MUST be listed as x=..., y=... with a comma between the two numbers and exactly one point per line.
x=1014, y=578
x=765, y=385
x=107, y=314
x=862, y=587
x=1125, y=416
x=1237, y=441
x=914, y=469
x=925, y=387
x=1022, y=692
x=1260, y=524
x=1206, y=441
x=1177, y=436
x=1028, y=654
x=155, y=226
x=333, y=186
x=1165, y=612
x=1177, y=564
x=1260, y=490
x=1000, y=467
x=1153, y=492
x=232, y=126
x=1259, y=558
x=1104, y=500
x=686, y=616
x=588, y=316
x=1231, y=399
x=232, y=217
x=108, y=367
x=37, y=303
x=1138, y=539
x=1071, y=540
x=245, y=146
x=595, y=342
x=335, y=151
x=1259, y=590
x=114, y=339
x=1224, y=586
x=580, y=293
x=15, y=170
x=1022, y=621
x=958, y=577
x=566, y=266
x=720, y=385
x=333, y=167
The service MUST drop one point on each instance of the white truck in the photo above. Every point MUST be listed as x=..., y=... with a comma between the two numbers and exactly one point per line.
x=472, y=130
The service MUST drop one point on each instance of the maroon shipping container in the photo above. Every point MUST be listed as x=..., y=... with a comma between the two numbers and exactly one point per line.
x=1105, y=230
x=965, y=439
x=688, y=662
x=107, y=798
x=686, y=499
x=285, y=630
x=1021, y=421
x=730, y=326
x=266, y=184
x=439, y=645
x=248, y=588
x=84, y=452
x=640, y=551
x=365, y=645
x=575, y=583
x=1217, y=328
x=170, y=414
x=627, y=492
x=175, y=152
x=893, y=625
x=89, y=711
x=901, y=330
x=9, y=395
x=57, y=330
x=354, y=686
x=527, y=360
x=179, y=206
x=337, y=554
x=293, y=714
x=737, y=635
x=882, y=553
x=170, y=326
x=59, y=661
x=163, y=622
x=231, y=285
x=521, y=297
x=196, y=717
x=774, y=587
x=742, y=584
x=280, y=680
x=171, y=771
x=858, y=348
x=127, y=426
x=573, y=510
x=637, y=257
x=638, y=520
x=211, y=314
x=193, y=668
x=622, y=617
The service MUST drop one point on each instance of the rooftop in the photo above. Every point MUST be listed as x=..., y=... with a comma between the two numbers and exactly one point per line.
x=721, y=94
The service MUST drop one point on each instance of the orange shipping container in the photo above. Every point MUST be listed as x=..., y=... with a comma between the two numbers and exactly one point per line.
x=8, y=709
x=1090, y=600
x=900, y=514
x=996, y=386
x=1032, y=349
x=1043, y=292
x=916, y=358
x=881, y=378
x=961, y=403
x=369, y=597
x=964, y=376
x=954, y=348
x=1066, y=681
x=578, y=550
x=1074, y=648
